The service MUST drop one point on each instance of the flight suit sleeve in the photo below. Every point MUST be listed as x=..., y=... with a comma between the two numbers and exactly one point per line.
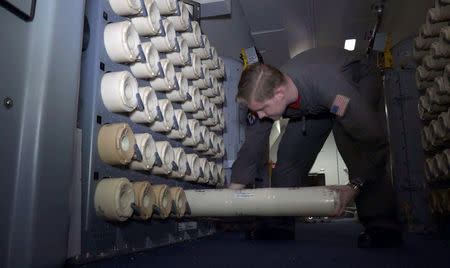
x=249, y=159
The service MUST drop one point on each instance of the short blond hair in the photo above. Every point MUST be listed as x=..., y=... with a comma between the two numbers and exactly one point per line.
x=260, y=81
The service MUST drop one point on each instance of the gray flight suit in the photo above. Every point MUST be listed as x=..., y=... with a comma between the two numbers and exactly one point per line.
x=320, y=75
x=293, y=164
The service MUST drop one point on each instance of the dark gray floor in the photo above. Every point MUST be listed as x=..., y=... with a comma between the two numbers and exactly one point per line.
x=316, y=245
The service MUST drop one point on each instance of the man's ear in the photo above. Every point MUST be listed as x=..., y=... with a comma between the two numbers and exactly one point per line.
x=279, y=93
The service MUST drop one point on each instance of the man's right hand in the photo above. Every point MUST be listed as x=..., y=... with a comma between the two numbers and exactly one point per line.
x=236, y=186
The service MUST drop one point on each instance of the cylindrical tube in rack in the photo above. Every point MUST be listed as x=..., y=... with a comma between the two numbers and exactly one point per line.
x=435, y=96
x=165, y=152
x=221, y=181
x=180, y=58
x=446, y=155
x=221, y=125
x=212, y=91
x=181, y=161
x=167, y=112
x=150, y=102
x=193, y=105
x=118, y=91
x=113, y=199
x=213, y=140
x=215, y=173
x=121, y=41
x=212, y=63
x=205, y=51
x=441, y=162
x=163, y=200
x=435, y=127
x=193, y=71
x=194, y=38
x=207, y=109
x=179, y=95
x=195, y=137
x=195, y=168
x=115, y=143
x=177, y=194
x=144, y=199
x=204, y=82
x=166, y=83
x=181, y=132
x=214, y=119
x=441, y=132
x=438, y=14
x=149, y=25
x=203, y=146
x=431, y=165
x=218, y=151
x=206, y=171
x=181, y=23
x=167, y=42
x=220, y=71
x=149, y=68
x=147, y=146
x=445, y=118
x=221, y=151
x=126, y=8
x=167, y=7
x=221, y=98
x=304, y=201
x=442, y=88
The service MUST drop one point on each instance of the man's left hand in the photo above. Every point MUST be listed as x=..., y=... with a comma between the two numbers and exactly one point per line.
x=346, y=195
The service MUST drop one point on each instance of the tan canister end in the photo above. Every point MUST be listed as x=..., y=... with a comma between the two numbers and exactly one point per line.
x=144, y=199
x=115, y=143
x=178, y=195
x=113, y=199
x=163, y=200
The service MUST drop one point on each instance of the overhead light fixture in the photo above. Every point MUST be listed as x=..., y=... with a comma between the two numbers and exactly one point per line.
x=350, y=44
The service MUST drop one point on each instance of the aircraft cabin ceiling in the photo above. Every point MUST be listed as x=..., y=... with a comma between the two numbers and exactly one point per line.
x=281, y=29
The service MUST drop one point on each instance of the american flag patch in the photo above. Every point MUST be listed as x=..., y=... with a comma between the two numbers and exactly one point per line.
x=339, y=105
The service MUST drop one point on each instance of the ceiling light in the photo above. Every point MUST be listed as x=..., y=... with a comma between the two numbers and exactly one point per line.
x=350, y=44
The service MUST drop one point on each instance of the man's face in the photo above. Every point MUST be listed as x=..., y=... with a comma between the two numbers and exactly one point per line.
x=272, y=108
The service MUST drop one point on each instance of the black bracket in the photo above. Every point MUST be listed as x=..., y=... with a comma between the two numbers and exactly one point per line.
x=201, y=105
x=144, y=9
x=158, y=161
x=189, y=132
x=178, y=9
x=188, y=169
x=202, y=140
x=175, y=123
x=26, y=15
x=159, y=113
x=137, y=211
x=174, y=166
x=173, y=208
x=161, y=70
x=140, y=102
x=177, y=45
x=177, y=85
x=189, y=61
x=202, y=74
x=141, y=54
x=137, y=153
x=156, y=210
x=188, y=209
x=163, y=31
